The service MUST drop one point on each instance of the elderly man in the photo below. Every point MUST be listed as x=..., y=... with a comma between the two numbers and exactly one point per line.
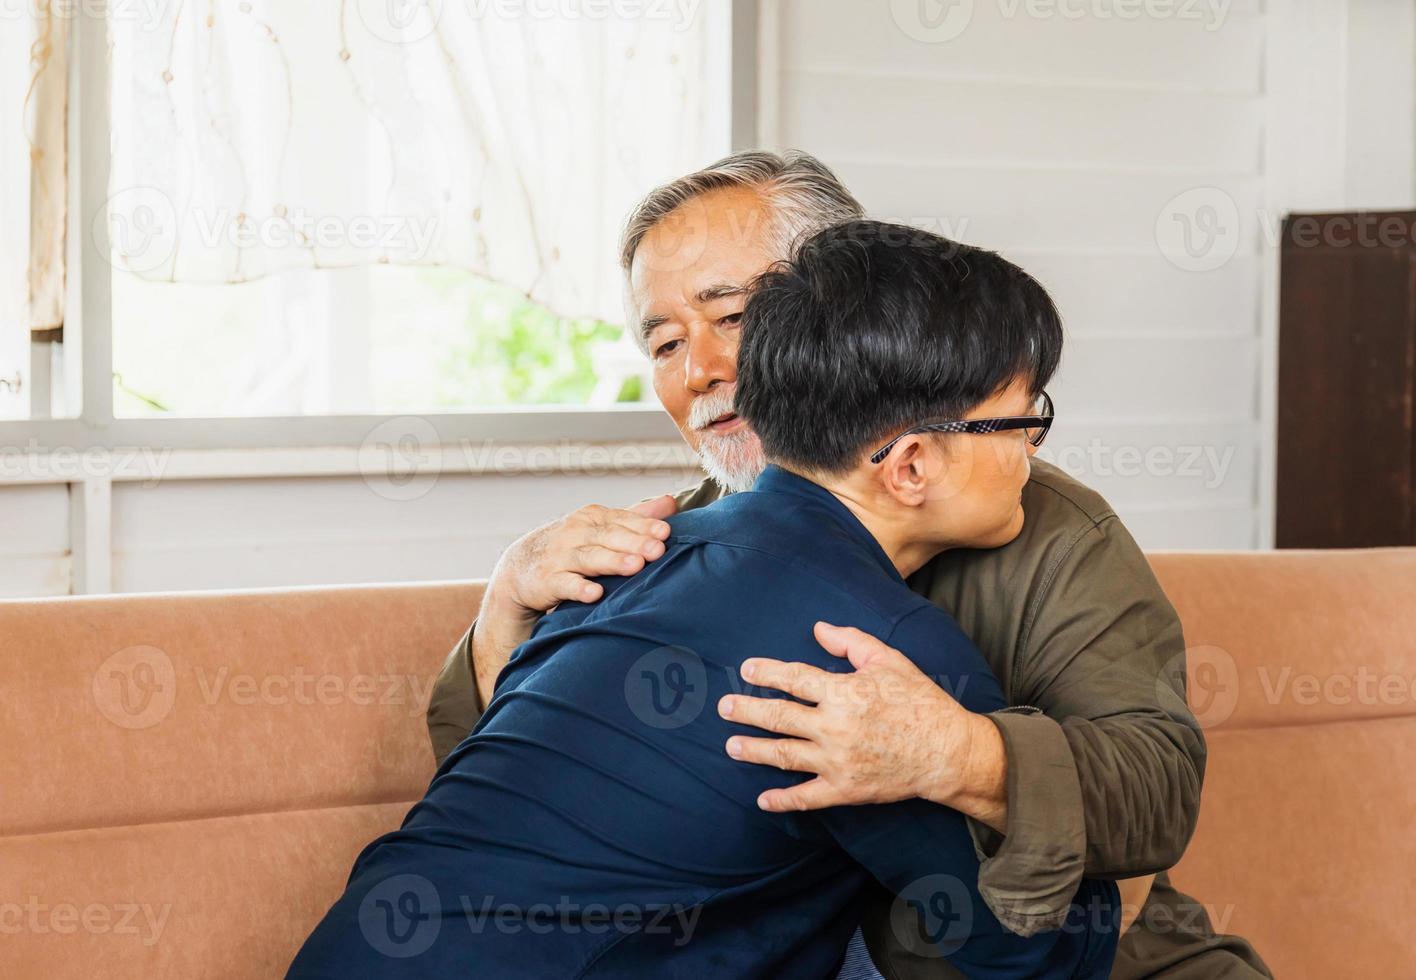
x=1096, y=770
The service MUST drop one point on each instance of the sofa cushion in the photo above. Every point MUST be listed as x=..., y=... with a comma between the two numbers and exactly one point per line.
x=230, y=896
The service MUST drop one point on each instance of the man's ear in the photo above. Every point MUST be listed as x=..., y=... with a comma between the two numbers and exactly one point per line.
x=905, y=474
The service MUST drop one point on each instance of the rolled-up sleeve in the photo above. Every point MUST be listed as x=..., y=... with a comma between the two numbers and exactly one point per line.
x=1029, y=876
x=1106, y=760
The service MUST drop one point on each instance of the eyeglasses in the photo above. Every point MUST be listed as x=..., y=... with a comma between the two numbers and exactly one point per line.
x=1036, y=426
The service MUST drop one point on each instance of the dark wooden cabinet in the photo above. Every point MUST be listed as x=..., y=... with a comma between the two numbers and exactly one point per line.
x=1347, y=381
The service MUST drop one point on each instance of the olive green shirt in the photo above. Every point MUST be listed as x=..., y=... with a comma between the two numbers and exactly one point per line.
x=1105, y=759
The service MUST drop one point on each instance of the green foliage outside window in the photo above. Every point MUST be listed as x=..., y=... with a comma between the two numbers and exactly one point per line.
x=406, y=339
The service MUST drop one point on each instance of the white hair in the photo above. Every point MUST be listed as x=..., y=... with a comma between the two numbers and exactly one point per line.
x=801, y=193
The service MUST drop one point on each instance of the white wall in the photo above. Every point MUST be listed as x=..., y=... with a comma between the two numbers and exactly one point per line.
x=1078, y=138
x=234, y=534
x=34, y=540
x=1380, y=144
x=179, y=534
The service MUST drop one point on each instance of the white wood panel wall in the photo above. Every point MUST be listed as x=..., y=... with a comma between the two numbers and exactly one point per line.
x=206, y=534
x=1061, y=134
x=34, y=540
x=179, y=534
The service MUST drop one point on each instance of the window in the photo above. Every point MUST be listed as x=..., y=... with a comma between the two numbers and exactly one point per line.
x=381, y=209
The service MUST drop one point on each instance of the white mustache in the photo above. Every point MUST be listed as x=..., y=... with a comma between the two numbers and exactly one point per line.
x=706, y=408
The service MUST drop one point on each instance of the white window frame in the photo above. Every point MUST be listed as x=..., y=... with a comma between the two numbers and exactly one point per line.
x=108, y=449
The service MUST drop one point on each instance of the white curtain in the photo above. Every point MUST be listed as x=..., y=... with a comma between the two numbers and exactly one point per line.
x=33, y=189
x=508, y=139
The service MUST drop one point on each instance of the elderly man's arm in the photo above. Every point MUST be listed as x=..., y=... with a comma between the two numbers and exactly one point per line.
x=1105, y=778
x=455, y=706
x=1100, y=767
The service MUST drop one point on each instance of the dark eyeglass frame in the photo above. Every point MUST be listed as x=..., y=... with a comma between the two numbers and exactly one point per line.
x=1040, y=422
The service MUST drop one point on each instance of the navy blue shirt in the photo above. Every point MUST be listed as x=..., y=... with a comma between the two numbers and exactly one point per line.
x=593, y=825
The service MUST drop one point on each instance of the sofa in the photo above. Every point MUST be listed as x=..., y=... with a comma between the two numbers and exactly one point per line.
x=187, y=778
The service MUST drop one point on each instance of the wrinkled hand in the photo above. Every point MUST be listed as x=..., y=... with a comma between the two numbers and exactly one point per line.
x=881, y=733
x=554, y=564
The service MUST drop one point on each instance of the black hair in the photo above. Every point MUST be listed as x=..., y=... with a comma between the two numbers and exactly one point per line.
x=874, y=327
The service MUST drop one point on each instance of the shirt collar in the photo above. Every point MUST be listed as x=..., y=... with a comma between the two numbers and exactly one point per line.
x=774, y=479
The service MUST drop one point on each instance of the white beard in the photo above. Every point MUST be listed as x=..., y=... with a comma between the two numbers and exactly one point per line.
x=733, y=461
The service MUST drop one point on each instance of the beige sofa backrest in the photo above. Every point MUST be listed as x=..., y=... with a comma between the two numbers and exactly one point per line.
x=1302, y=668
x=187, y=779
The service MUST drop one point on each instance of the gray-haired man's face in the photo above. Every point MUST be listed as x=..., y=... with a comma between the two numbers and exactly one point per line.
x=687, y=288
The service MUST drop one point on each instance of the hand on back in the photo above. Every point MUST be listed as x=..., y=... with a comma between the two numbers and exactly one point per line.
x=556, y=561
